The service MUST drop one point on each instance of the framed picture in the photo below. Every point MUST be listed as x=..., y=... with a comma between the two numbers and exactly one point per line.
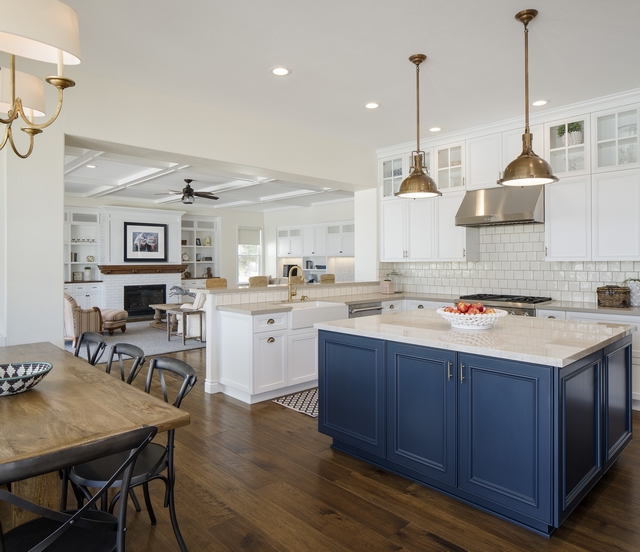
x=198, y=241
x=145, y=242
x=78, y=276
x=197, y=256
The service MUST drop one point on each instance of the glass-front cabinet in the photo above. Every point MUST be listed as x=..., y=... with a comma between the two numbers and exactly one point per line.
x=616, y=140
x=450, y=167
x=393, y=172
x=567, y=146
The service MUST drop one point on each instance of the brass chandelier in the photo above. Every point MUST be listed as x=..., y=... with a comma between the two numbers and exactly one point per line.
x=527, y=169
x=418, y=184
x=42, y=30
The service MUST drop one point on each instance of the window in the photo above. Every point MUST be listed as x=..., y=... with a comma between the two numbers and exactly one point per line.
x=249, y=253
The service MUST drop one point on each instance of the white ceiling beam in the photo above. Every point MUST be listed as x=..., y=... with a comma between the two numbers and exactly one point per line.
x=140, y=180
x=82, y=161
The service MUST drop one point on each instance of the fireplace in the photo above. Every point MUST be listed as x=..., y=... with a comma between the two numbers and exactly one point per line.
x=138, y=298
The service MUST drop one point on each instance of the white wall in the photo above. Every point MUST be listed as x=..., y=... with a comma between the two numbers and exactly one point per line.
x=329, y=212
x=366, y=221
x=104, y=110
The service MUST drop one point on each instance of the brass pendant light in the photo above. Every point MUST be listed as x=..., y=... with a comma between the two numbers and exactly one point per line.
x=418, y=184
x=527, y=169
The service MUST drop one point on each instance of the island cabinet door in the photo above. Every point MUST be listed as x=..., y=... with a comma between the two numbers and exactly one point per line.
x=421, y=410
x=617, y=399
x=579, y=433
x=351, y=405
x=505, y=433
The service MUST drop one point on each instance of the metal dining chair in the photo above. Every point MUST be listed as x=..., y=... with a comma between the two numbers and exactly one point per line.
x=94, y=344
x=128, y=351
x=156, y=458
x=86, y=528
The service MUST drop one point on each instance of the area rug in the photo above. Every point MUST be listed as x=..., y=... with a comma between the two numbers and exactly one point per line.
x=305, y=402
x=151, y=340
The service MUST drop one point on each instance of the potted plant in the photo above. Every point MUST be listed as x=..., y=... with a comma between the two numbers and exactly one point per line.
x=575, y=135
x=634, y=286
x=87, y=273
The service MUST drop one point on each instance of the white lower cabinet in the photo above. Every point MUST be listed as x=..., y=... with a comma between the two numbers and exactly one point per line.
x=547, y=313
x=412, y=304
x=269, y=361
x=303, y=356
x=261, y=357
x=392, y=306
x=87, y=295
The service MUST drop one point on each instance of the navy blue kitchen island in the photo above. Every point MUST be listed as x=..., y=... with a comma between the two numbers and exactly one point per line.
x=521, y=420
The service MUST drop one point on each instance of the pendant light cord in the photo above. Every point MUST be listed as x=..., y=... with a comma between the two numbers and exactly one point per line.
x=418, y=108
x=526, y=78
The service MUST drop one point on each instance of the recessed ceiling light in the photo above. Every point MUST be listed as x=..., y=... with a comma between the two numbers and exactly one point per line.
x=538, y=103
x=280, y=71
x=372, y=105
x=91, y=166
x=435, y=129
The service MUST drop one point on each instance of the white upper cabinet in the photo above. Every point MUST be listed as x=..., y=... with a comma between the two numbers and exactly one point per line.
x=453, y=243
x=484, y=161
x=512, y=143
x=568, y=219
x=341, y=240
x=290, y=242
x=314, y=240
x=392, y=171
x=616, y=216
x=567, y=148
x=406, y=230
x=450, y=163
x=615, y=144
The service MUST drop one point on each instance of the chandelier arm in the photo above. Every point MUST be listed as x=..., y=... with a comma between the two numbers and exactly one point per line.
x=13, y=115
x=50, y=121
x=13, y=146
x=6, y=137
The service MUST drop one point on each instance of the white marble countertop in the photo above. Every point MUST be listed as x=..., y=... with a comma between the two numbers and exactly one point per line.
x=534, y=340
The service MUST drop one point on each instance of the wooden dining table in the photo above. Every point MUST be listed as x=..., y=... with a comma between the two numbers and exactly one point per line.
x=74, y=404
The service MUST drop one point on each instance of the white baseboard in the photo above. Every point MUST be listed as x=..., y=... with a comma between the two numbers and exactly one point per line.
x=212, y=387
x=266, y=395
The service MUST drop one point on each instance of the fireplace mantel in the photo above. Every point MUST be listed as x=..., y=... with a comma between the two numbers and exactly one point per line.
x=143, y=269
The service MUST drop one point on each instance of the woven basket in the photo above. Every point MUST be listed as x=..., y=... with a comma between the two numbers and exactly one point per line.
x=614, y=296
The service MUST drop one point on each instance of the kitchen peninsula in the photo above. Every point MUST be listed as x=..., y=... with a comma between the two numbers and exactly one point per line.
x=521, y=420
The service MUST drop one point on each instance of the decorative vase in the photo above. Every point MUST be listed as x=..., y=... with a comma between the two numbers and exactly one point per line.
x=573, y=138
x=87, y=274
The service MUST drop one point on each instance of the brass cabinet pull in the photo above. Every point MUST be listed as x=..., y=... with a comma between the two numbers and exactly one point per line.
x=392, y=307
x=448, y=371
x=271, y=340
x=271, y=321
x=461, y=372
x=421, y=306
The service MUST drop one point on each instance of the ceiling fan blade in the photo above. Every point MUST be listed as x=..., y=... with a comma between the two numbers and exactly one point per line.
x=170, y=192
x=205, y=195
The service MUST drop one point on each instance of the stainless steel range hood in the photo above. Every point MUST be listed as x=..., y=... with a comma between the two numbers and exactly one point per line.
x=505, y=205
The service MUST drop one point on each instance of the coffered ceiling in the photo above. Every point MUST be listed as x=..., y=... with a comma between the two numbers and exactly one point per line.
x=97, y=174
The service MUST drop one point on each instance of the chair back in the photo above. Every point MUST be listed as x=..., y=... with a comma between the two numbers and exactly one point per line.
x=179, y=369
x=94, y=344
x=258, y=281
x=327, y=278
x=213, y=283
x=52, y=525
x=130, y=352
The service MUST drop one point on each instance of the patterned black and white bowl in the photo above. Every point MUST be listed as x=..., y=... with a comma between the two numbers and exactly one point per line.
x=20, y=376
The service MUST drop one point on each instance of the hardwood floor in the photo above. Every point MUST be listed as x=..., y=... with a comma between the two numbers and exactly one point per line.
x=261, y=478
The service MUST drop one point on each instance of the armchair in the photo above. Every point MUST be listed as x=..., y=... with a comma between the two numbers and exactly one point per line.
x=77, y=320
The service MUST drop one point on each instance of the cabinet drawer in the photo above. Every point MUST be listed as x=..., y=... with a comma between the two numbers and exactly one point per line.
x=270, y=322
x=94, y=287
x=79, y=287
x=68, y=290
x=411, y=304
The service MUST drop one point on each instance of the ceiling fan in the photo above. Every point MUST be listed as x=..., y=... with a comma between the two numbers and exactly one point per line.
x=189, y=194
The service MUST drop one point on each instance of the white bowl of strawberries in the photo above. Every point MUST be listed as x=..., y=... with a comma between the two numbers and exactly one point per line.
x=471, y=316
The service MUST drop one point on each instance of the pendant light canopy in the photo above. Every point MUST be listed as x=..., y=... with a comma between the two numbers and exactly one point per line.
x=418, y=184
x=527, y=169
